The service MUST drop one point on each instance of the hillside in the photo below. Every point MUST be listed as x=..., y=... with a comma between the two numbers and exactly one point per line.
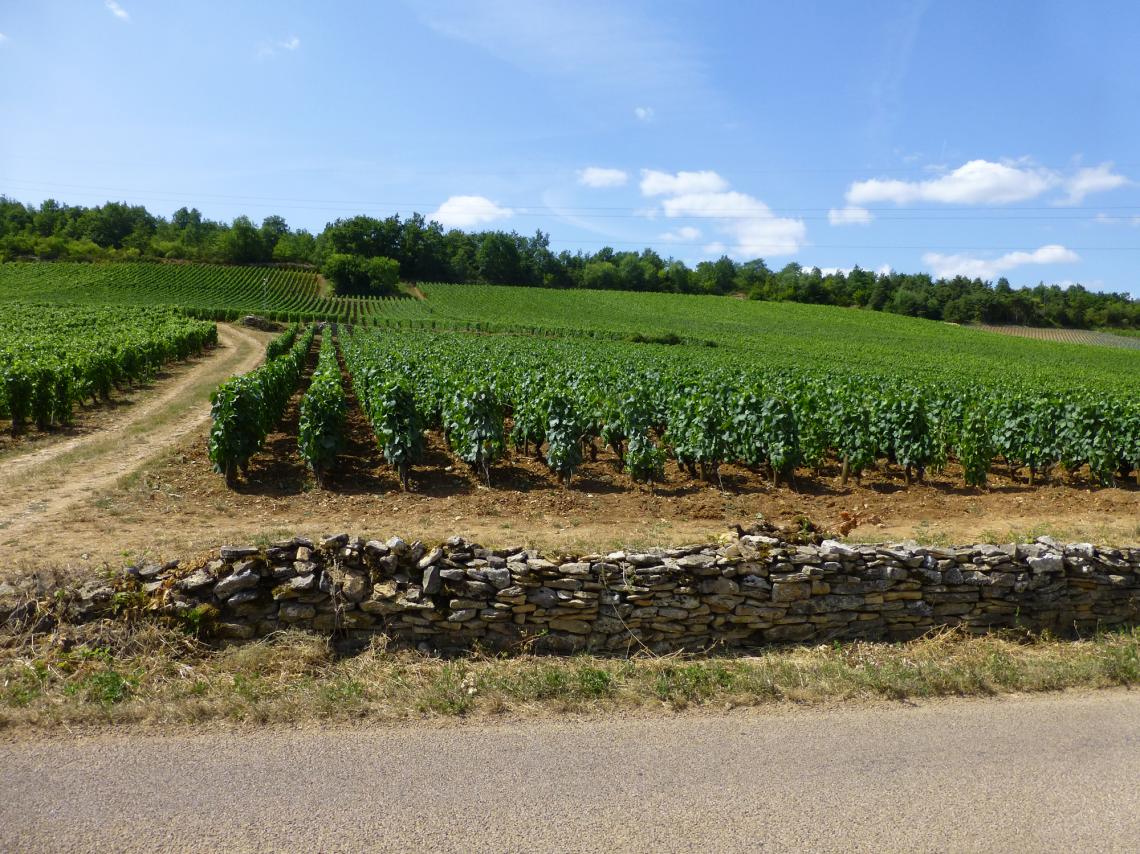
x=769, y=334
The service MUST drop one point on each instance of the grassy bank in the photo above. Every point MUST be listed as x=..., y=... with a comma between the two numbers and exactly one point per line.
x=144, y=675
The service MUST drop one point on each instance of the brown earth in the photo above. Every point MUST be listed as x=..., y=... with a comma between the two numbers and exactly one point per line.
x=1065, y=336
x=175, y=505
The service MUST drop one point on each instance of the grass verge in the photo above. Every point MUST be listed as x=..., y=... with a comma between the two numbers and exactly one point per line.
x=142, y=674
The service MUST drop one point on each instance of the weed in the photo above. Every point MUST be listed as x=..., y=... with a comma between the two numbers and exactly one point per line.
x=447, y=693
x=198, y=621
x=687, y=683
x=105, y=688
x=593, y=682
x=140, y=671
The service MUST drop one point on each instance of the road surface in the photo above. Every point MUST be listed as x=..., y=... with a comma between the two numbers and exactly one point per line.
x=1046, y=773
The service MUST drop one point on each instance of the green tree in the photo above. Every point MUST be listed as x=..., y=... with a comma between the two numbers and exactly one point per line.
x=354, y=275
x=600, y=275
x=383, y=276
x=273, y=228
x=716, y=277
x=242, y=243
x=498, y=260
x=295, y=246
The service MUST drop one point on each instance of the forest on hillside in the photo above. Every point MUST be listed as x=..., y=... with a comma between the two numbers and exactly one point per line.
x=364, y=254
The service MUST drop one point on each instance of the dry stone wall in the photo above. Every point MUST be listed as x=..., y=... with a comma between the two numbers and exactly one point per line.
x=752, y=589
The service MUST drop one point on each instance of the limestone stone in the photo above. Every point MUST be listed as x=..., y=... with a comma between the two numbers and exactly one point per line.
x=578, y=627
x=292, y=612
x=236, y=582
x=789, y=591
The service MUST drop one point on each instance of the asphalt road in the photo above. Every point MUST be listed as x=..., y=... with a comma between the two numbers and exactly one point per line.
x=1047, y=773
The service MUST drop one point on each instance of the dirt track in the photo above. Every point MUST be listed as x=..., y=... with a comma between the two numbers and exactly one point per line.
x=1042, y=773
x=38, y=488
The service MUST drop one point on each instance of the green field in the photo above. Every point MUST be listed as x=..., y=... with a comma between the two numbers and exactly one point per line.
x=788, y=335
x=216, y=292
x=702, y=379
x=794, y=335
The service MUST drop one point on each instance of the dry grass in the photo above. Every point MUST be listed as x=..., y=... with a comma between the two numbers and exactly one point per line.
x=140, y=674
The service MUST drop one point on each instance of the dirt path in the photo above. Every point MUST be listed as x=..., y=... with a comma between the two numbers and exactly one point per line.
x=39, y=487
x=1042, y=773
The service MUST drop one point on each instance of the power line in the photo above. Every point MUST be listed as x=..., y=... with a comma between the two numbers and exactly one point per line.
x=550, y=210
x=924, y=247
x=774, y=170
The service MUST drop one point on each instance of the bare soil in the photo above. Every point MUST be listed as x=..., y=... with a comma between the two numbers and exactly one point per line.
x=1066, y=336
x=176, y=506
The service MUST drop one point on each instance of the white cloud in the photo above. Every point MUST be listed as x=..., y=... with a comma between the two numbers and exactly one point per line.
x=750, y=224
x=850, y=215
x=466, y=211
x=117, y=10
x=715, y=248
x=269, y=48
x=684, y=233
x=984, y=182
x=654, y=183
x=598, y=176
x=1091, y=179
x=3, y=38
x=948, y=266
x=644, y=114
x=1105, y=219
x=977, y=182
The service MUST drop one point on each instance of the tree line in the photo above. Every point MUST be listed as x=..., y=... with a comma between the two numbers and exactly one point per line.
x=364, y=254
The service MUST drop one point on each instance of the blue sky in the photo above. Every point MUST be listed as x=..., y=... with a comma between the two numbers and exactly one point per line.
x=978, y=137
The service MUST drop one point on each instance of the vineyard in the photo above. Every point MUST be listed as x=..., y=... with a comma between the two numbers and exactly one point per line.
x=54, y=358
x=765, y=333
x=782, y=389
x=1126, y=339
x=209, y=291
x=777, y=334
x=561, y=401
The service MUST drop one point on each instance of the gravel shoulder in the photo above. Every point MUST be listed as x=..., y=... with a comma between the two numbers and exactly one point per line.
x=1042, y=773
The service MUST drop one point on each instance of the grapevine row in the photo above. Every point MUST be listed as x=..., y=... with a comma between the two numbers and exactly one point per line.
x=53, y=359
x=220, y=293
x=706, y=410
x=246, y=408
x=323, y=413
x=386, y=398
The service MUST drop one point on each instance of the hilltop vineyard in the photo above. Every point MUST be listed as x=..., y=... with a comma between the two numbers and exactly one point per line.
x=209, y=291
x=784, y=390
x=53, y=359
